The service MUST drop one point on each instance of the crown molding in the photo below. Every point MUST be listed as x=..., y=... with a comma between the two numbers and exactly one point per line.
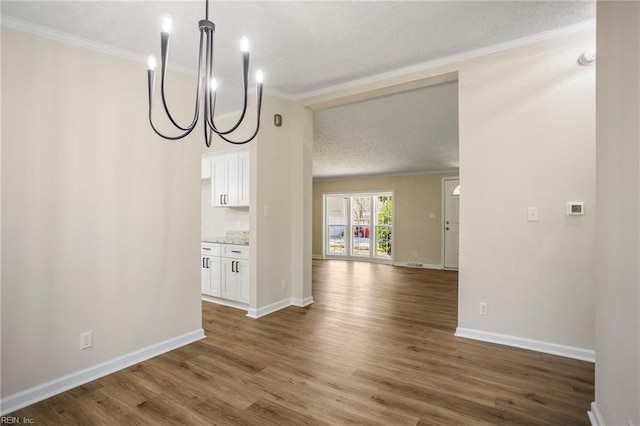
x=38, y=30
x=62, y=37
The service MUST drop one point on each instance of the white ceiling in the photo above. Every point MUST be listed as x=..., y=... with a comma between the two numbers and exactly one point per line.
x=309, y=46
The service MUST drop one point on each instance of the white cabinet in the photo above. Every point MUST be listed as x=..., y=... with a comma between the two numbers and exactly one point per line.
x=210, y=269
x=230, y=179
x=225, y=271
x=235, y=273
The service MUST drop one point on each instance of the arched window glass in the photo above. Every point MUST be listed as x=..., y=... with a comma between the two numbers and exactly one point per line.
x=456, y=190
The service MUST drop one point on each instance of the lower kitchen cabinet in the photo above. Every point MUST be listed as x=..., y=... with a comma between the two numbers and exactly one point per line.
x=235, y=279
x=225, y=271
x=210, y=269
x=210, y=277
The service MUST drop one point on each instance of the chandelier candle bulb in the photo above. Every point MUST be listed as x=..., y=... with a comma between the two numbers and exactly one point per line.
x=167, y=23
x=213, y=84
x=244, y=45
x=259, y=77
x=152, y=63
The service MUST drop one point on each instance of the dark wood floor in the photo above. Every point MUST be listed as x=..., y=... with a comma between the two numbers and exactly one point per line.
x=376, y=348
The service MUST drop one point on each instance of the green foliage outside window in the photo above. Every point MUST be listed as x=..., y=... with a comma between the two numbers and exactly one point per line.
x=385, y=212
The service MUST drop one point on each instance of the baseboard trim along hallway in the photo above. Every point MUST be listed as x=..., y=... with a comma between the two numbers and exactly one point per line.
x=534, y=345
x=64, y=383
x=281, y=304
x=594, y=415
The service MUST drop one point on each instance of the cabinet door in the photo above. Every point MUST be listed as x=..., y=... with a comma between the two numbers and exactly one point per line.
x=243, y=281
x=229, y=278
x=231, y=161
x=210, y=277
x=205, y=274
x=215, y=289
x=219, y=181
x=244, y=166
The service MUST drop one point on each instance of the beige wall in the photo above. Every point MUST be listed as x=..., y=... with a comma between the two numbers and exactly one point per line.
x=618, y=254
x=527, y=139
x=100, y=217
x=415, y=196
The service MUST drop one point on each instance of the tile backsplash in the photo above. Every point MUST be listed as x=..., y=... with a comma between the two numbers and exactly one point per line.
x=238, y=237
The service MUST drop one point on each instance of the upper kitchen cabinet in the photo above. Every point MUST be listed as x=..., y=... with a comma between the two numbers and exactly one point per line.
x=230, y=179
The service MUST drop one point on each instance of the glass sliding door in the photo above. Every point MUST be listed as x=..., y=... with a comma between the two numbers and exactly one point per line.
x=336, y=224
x=359, y=225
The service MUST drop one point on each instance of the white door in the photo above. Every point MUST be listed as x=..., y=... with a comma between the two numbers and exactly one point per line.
x=451, y=199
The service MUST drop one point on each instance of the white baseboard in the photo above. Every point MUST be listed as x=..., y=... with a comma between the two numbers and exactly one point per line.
x=269, y=309
x=225, y=302
x=424, y=265
x=302, y=302
x=594, y=415
x=534, y=345
x=317, y=256
x=46, y=390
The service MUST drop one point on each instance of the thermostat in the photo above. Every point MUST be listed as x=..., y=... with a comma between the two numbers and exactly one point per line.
x=575, y=208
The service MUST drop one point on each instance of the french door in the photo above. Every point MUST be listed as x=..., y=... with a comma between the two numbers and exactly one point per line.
x=359, y=225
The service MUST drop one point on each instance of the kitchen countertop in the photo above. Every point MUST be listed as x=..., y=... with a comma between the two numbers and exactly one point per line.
x=223, y=240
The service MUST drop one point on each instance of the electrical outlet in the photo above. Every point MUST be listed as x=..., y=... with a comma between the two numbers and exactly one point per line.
x=484, y=308
x=86, y=340
x=284, y=284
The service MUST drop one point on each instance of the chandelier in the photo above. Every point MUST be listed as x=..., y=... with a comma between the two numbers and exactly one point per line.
x=206, y=81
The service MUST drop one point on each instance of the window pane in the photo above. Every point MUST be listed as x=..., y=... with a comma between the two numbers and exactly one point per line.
x=361, y=224
x=336, y=220
x=384, y=219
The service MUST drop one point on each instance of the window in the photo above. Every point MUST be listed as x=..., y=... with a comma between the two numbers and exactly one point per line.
x=359, y=225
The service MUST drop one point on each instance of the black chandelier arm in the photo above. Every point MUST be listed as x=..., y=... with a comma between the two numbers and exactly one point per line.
x=172, y=138
x=150, y=81
x=259, y=108
x=212, y=97
x=164, y=39
x=207, y=137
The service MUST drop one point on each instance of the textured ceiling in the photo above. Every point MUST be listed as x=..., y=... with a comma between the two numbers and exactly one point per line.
x=305, y=47
x=406, y=132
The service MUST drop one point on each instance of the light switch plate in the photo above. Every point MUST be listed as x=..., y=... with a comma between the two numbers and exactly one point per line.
x=532, y=214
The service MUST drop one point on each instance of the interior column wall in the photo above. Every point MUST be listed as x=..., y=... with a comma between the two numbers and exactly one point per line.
x=618, y=166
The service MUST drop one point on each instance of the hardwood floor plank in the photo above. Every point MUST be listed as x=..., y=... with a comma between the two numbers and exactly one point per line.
x=376, y=348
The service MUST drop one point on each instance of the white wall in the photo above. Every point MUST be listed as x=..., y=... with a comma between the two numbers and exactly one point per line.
x=527, y=138
x=100, y=217
x=618, y=254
